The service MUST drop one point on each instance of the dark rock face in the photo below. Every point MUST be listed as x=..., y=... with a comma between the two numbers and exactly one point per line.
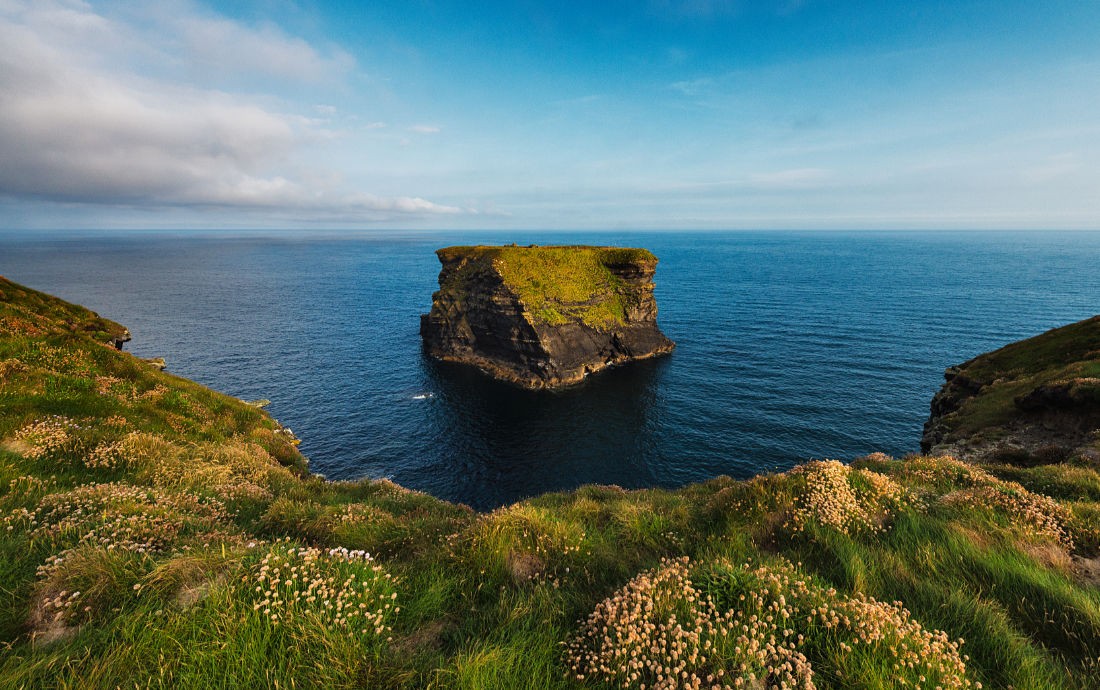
x=957, y=389
x=484, y=316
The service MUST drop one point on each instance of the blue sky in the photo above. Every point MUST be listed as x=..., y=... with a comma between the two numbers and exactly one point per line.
x=636, y=115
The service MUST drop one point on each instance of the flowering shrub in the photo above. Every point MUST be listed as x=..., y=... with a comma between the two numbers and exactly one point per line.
x=943, y=473
x=745, y=626
x=847, y=500
x=335, y=587
x=49, y=437
x=1040, y=514
x=947, y=482
x=660, y=632
x=116, y=517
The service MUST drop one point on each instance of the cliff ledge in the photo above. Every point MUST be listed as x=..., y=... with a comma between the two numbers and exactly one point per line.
x=1034, y=401
x=543, y=317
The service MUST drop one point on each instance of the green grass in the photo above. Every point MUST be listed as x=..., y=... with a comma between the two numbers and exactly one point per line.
x=557, y=285
x=1067, y=354
x=158, y=500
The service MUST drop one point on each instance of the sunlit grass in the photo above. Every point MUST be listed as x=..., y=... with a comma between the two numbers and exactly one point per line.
x=154, y=533
x=556, y=285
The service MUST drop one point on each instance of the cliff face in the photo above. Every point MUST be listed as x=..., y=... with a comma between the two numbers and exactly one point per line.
x=542, y=317
x=1033, y=401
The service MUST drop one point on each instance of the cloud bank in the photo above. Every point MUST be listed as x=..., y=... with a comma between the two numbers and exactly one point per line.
x=93, y=111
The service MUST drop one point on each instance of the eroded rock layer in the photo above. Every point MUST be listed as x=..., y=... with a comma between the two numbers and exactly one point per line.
x=542, y=317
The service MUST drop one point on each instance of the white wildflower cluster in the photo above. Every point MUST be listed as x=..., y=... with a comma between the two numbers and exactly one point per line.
x=1040, y=514
x=49, y=437
x=663, y=631
x=106, y=385
x=232, y=470
x=86, y=509
x=153, y=394
x=27, y=485
x=62, y=359
x=943, y=473
x=62, y=605
x=334, y=586
x=116, y=517
x=21, y=519
x=880, y=488
x=831, y=499
x=953, y=483
x=929, y=658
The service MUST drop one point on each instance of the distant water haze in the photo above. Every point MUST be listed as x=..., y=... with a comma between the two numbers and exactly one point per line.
x=790, y=346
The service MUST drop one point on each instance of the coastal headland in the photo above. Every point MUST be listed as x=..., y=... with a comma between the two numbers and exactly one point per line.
x=156, y=533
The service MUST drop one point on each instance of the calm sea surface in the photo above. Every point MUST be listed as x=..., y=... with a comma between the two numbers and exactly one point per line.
x=791, y=346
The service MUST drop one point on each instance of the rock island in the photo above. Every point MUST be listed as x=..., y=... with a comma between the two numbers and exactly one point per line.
x=543, y=317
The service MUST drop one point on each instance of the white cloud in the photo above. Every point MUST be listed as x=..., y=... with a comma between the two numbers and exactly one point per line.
x=693, y=87
x=369, y=202
x=80, y=124
x=425, y=129
x=797, y=178
x=215, y=44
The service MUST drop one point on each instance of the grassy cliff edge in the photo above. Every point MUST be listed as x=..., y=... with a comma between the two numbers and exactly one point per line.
x=156, y=533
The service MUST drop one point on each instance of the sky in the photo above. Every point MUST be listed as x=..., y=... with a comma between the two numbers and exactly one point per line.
x=608, y=114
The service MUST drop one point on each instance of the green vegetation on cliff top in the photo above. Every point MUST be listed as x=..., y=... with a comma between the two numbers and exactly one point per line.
x=557, y=285
x=1067, y=356
x=156, y=533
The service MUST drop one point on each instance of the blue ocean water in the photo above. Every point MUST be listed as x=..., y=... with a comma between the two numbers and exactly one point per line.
x=790, y=346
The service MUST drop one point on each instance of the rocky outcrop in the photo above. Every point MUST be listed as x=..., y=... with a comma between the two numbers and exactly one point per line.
x=957, y=389
x=1032, y=401
x=543, y=317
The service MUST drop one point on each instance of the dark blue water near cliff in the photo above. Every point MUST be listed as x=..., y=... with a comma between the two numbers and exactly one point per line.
x=791, y=346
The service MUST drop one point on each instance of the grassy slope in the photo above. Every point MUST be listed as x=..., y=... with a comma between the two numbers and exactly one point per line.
x=1068, y=353
x=175, y=513
x=582, y=288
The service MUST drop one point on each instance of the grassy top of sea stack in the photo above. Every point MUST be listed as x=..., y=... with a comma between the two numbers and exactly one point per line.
x=557, y=285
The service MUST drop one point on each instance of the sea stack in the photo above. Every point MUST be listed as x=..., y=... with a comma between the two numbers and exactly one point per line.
x=543, y=317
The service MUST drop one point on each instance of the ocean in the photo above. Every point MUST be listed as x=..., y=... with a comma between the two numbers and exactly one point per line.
x=791, y=346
